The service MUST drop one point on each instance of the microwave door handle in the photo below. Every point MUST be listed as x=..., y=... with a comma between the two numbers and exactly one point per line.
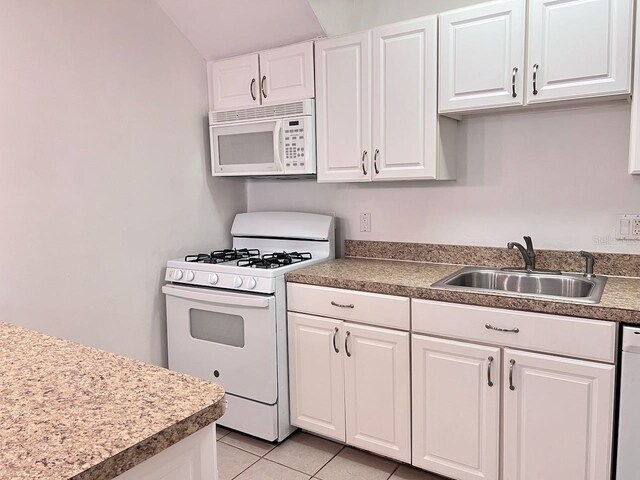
x=278, y=147
x=211, y=297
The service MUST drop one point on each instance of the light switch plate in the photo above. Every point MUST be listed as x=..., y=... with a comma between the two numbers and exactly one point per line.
x=628, y=227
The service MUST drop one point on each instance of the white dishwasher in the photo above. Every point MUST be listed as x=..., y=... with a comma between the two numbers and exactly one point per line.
x=629, y=423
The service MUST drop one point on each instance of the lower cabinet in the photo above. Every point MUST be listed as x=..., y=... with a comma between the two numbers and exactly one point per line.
x=351, y=382
x=456, y=408
x=557, y=416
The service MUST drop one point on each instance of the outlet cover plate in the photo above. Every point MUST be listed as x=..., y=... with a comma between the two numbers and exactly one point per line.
x=365, y=222
x=628, y=227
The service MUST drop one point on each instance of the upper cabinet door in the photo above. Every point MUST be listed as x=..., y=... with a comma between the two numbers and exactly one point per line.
x=377, y=390
x=482, y=50
x=235, y=82
x=405, y=115
x=316, y=375
x=558, y=417
x=456, y=408
x=634, y=146
x=343, y=108
x=286, y=74
x=579, y=48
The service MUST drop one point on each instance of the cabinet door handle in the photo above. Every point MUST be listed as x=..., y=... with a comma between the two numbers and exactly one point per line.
x=489, y=381
x=342, y=305
x=252, y=88
x=535, y=78
x=513, y=82
x=346, y=343
x=512, y=363
x=335, y=346
x=262, y=82
x=364, y=170
x=375, y=161
x=488, y=326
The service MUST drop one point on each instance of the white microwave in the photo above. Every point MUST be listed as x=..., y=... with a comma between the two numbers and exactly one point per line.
x=267, y=140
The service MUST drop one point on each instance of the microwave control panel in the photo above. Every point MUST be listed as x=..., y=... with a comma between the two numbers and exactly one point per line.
x=296, y=144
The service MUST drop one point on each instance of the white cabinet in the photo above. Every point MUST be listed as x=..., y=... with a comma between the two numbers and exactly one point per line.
x=193, y=458
x=377, y=115
x=579, y=48
x=634, y=146
x=316, y=375
x=482, y=51
x=343, y=108
x=234, y=82
x=377, y=390
x=351, y=383
x=271, y=77
x=286, y=74
x=456, y=408
x=558, y=417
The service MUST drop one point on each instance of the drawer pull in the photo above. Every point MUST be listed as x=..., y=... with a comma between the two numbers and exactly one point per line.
x=488, y=326
x=489, y=381
x=342, y=305
x=512, y=363
x=346, y=343
x=335, y=346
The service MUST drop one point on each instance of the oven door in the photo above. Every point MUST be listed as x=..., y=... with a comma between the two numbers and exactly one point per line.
x=225, y=337
x=254, y=148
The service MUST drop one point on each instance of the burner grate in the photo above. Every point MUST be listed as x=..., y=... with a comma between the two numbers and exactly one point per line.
x=225, y=255
x=275, y=260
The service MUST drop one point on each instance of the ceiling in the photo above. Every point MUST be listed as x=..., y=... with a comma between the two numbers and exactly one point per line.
x=223, y=28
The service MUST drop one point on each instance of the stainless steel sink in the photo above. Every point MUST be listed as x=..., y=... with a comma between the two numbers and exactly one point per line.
x=565, y=286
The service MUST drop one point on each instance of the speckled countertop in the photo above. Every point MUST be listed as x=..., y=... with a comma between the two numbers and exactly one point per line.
x=72, y=412
x=620, y=301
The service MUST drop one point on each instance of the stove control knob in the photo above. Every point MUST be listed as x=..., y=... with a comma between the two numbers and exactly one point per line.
x=177, y=275
x=237, y=282
x=189, y=275
x=251, y=283
x=213, y=278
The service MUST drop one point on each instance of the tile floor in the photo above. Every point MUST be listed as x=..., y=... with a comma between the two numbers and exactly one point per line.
x=303, y=457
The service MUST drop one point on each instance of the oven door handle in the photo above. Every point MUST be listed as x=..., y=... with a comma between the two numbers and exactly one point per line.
x=211, y=297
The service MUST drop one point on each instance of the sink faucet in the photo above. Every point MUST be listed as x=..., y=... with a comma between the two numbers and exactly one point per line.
x=528, y=253
x=590, y=261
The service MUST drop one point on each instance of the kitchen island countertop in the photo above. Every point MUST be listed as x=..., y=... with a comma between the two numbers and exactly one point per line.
x=69, y=411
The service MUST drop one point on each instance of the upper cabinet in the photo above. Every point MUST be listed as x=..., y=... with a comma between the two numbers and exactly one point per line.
x=482, y=51
x=376, y=105
x=634, y=147
x=575, y=49
x=266, y=78
x=579, y=48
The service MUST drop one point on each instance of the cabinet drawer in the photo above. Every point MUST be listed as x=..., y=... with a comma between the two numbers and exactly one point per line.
x=573, y=337
x=369, y=308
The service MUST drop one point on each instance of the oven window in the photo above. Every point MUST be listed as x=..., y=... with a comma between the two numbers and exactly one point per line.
x=245, y=148
x=217, y=327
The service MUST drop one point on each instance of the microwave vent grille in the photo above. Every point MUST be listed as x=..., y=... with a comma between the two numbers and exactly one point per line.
x=257, y=113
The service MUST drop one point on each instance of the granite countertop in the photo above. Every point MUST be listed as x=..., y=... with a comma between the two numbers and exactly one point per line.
x=73, y=412
x=620, y=301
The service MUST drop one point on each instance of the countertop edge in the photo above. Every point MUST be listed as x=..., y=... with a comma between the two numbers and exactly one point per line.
x=508, y=302
x=125, y=460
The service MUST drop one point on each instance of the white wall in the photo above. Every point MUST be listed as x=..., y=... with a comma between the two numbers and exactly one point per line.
x=103, y=169
x=559, y=175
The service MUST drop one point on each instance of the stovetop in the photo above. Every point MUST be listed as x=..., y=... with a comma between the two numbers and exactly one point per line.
x=249, y=257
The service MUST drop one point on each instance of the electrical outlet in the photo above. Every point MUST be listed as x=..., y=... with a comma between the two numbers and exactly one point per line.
x=365, y=222
x=628, y=227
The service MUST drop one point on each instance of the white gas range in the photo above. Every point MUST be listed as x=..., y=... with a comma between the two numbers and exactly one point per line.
x=226, y=314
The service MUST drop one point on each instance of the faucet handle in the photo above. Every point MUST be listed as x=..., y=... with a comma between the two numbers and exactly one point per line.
x=529, y=243
x=590, y=262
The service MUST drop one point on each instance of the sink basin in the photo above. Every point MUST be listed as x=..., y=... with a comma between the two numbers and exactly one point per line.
x=564, y=286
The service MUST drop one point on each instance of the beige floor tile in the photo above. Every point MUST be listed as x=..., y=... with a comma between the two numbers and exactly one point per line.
x=407, y=473
x=266, y=470
x=247, y=443
x=304, y=452
x=221, y=432
x=352, y=464
x=232, y=461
